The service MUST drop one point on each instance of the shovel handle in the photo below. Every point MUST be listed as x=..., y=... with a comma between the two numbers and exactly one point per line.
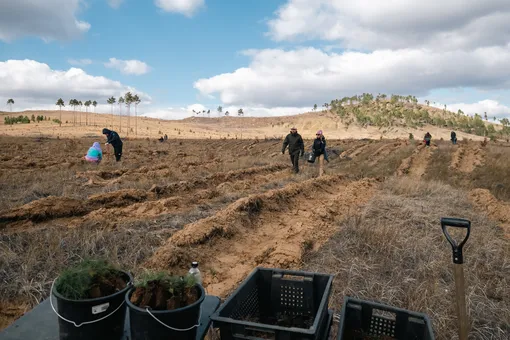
x=456, y=248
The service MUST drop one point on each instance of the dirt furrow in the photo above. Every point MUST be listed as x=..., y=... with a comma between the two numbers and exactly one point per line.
x=466, y=158
x=354, y=151
x=271, y=229
x=416, y=164
x=179, y=204
x=384, y=151
x=57, y=207
x=497, y=210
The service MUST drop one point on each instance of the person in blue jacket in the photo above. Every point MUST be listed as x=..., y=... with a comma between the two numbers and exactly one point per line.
x=94, y=154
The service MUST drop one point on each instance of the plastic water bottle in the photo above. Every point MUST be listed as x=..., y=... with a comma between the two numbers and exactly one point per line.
x=195, y=272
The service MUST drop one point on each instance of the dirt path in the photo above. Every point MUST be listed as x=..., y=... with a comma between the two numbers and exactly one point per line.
x=467, y=157
x=497, y=210
x=416, y=165
x=272, y=229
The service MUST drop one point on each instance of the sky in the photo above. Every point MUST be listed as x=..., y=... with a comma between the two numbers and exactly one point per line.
x=269, y=57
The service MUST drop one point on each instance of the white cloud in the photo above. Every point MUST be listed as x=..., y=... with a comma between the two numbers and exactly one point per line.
x=79, y=62
x=369, y=24
x=186, y=7
x=135, y=67
x=115, y=3
x=492, y=107
x=48, y=19
x=306, y=76
x=34, y=84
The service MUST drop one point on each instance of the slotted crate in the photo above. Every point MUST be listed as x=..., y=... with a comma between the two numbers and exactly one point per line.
x=361, y=319
x=276, y=304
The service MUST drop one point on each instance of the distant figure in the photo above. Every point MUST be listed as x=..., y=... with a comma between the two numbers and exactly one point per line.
x=114, y=139
x=453, y=136
x=95, y=154
x=166, y=137
x=319, y=150
x=296, y=146
x=427, y=139
x=161, y=139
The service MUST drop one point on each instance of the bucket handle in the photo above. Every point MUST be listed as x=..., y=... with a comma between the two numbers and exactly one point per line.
x=85, y=322
x=176, y=329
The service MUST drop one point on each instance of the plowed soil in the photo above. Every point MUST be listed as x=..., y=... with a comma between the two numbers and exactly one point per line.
x=467, y=157
x=273, y=229
x=497, y=210
x=230, y=204
x=416, y=165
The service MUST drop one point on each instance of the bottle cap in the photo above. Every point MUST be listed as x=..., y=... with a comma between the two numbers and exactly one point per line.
x=194, y=264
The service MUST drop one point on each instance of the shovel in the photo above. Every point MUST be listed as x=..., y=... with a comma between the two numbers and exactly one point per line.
x=458, y=270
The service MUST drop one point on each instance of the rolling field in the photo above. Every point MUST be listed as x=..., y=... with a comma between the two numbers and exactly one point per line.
x=232, y=205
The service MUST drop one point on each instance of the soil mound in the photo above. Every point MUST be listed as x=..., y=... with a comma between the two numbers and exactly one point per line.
x=46, y=208
x=467, y=157
x=271, y=229
x=118, y=198
x=416, y=164
x=497, y=210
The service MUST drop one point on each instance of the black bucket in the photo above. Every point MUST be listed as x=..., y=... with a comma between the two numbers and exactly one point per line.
x=145, y=327
x=81, y=312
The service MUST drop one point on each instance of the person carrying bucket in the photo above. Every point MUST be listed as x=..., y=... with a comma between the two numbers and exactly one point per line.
x=319, y=150
x=114, y=139
x=296, y=146
x=94, y=154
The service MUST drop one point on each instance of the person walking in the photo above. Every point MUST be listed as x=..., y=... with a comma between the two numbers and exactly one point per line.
x=427, y=139
x=296, y=147
x=113, y=138
x=94, y=154
x=319, y=150
x=453, y=137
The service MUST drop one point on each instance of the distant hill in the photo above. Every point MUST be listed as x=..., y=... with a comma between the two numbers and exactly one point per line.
x=363, y=116
x=405, y=111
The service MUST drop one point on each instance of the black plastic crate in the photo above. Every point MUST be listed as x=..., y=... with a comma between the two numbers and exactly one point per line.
x=276, y=304
x=361, y=319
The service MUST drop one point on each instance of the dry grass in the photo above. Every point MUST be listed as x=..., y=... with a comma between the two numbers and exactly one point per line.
x=30, y=261
x=362, y=164
x=493, y=175
x=395, y=252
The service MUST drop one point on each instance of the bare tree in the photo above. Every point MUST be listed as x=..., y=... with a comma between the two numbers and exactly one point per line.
x=111, y=101
x=10, y=102
x=120, y=101
x=60, y=103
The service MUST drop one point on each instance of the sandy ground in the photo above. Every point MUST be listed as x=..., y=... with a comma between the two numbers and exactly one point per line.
x=224, y=127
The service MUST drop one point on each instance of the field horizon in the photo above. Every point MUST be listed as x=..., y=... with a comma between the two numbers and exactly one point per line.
x=358, y=117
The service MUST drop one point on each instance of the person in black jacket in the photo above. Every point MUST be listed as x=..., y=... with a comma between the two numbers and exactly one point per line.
x=114, y=139
x=453, y=137
x=296, y=147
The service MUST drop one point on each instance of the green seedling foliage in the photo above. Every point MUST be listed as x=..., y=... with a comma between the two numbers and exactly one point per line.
x=75, y=282
x=176, y=285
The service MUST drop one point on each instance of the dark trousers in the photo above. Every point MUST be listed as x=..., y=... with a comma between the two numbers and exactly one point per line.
x=427, y=142
x=294, y=158
x=117, y=150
